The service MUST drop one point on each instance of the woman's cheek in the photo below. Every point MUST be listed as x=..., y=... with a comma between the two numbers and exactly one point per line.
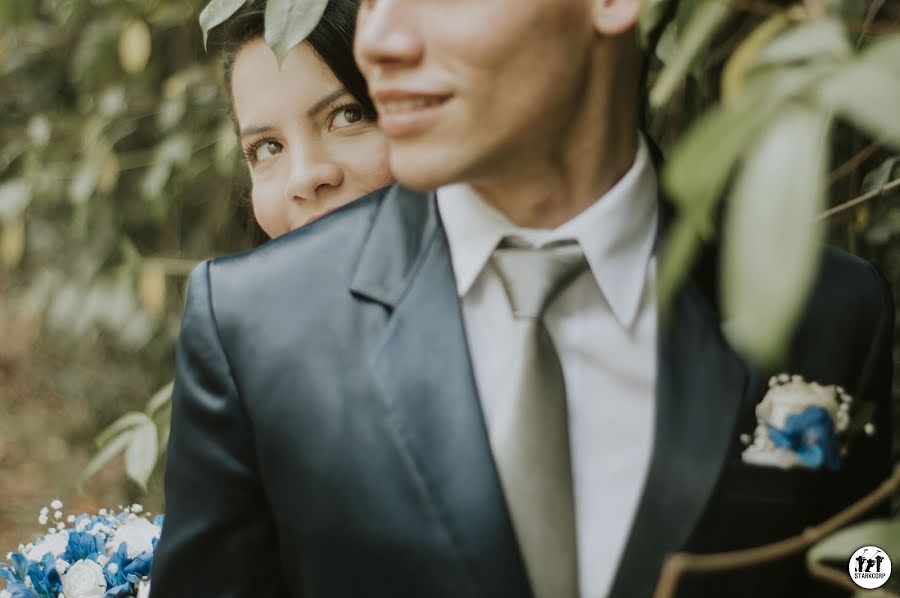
x=267, y=209
x=375, y=162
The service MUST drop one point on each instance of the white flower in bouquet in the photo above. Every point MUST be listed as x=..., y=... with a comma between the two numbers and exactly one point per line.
x=137, y=533
x=84, y=579
x=55, y=544
x=144, y=590
x=108, y=554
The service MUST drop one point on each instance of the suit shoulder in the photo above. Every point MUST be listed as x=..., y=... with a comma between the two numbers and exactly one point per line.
x=317, y=253
x=849, y=295
x=848, y=280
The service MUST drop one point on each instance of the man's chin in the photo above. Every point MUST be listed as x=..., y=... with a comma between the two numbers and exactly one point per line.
x=424, y=171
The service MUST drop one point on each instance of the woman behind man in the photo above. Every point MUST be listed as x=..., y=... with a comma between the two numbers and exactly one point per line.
x=307, y=128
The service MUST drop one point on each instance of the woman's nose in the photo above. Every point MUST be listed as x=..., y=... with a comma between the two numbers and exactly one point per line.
x=310, y=177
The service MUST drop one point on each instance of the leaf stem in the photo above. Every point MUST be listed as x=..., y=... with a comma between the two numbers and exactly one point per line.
x=889, y=186
x=680, y=563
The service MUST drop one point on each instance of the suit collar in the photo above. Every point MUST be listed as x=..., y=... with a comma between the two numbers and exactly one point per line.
x=405, y=223
x=616, y=234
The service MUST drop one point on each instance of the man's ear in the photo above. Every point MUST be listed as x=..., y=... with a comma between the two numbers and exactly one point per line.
x=614, y=17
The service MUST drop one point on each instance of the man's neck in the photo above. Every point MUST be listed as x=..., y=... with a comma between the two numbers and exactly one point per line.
x=547, y=183
x=544, y=195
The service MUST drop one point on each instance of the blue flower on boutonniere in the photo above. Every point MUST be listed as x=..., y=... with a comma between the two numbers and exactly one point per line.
x=803, y=424
x=810, y=434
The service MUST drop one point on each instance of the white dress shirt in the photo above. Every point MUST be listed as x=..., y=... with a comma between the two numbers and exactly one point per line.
x=604, y=328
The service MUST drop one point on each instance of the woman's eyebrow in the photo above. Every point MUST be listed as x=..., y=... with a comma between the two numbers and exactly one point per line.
x=325, y=102
x=255, y=130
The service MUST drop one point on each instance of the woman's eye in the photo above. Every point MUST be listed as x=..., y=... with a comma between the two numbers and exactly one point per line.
x=266, y=150
x=346, y=116
x=262, y=150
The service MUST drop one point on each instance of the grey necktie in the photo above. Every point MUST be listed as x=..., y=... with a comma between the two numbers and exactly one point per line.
x=530, y=440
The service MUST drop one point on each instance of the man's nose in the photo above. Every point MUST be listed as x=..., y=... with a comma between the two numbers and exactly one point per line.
x=312, y=175
x=386, y=37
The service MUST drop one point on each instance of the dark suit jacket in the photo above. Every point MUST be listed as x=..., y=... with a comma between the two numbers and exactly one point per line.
x=327, y=438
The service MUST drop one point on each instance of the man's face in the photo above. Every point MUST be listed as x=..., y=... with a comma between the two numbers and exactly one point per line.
x=467, y=89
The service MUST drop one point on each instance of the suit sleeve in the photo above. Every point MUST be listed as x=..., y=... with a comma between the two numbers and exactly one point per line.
x=218, y=536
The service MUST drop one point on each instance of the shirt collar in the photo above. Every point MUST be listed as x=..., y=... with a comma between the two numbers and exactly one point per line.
x=616, y=233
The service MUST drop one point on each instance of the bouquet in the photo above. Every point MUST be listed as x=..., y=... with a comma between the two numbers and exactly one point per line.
x=108, y=555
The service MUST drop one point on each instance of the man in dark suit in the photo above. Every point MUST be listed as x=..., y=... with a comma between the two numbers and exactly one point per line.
x=467, y=390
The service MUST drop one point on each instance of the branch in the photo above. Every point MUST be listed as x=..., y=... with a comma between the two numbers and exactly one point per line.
x=854, y=162
x=680, y=563
x=868, y=21
x=890, y=185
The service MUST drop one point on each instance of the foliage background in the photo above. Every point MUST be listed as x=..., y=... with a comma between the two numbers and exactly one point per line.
x=120, y=171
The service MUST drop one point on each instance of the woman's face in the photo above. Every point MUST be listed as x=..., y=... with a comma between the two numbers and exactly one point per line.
x=309, y=148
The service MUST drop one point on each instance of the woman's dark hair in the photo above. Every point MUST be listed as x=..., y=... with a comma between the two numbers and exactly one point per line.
x=332, y=39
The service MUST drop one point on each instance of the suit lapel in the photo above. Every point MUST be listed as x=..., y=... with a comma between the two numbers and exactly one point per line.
x=701, y=387
x=426, y=381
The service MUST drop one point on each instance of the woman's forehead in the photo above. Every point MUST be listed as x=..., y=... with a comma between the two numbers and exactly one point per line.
x=260, y=87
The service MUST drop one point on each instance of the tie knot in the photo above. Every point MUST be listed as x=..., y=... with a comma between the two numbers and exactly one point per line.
x=533, y=277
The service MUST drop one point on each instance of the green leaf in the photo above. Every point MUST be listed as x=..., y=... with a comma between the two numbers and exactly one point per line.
x=771, y=238
x=127, y=421
x=217, y=12
x=135, y=44
x=882, y=174
x=702, y=163
x=840, y=546
x=162, y=397
x=164, y=425
x=866, y=94
x=14, y=197
x=699, y=31
x=142, y=453
x=106, y=454
x=823, y=39
x=679, y=250
x=744, y=57
x=288, y=22
x=651, y=13
x=884, y=53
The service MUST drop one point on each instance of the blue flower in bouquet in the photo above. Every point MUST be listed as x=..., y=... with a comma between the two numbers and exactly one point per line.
x=31, y=579
x=17, y=570
x=109, y=555
x=84, y=546
x=811, y=435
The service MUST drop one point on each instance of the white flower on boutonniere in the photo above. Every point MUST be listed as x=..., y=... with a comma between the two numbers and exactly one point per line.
x=138, y=534
x=84, y=579
x=799, y=424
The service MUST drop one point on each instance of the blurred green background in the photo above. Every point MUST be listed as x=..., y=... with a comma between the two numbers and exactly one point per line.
x=119, y=170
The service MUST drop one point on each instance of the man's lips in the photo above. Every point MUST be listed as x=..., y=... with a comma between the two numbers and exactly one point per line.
x=402, y=112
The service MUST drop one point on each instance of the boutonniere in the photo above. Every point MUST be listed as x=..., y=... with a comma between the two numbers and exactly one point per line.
x=804, y=424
